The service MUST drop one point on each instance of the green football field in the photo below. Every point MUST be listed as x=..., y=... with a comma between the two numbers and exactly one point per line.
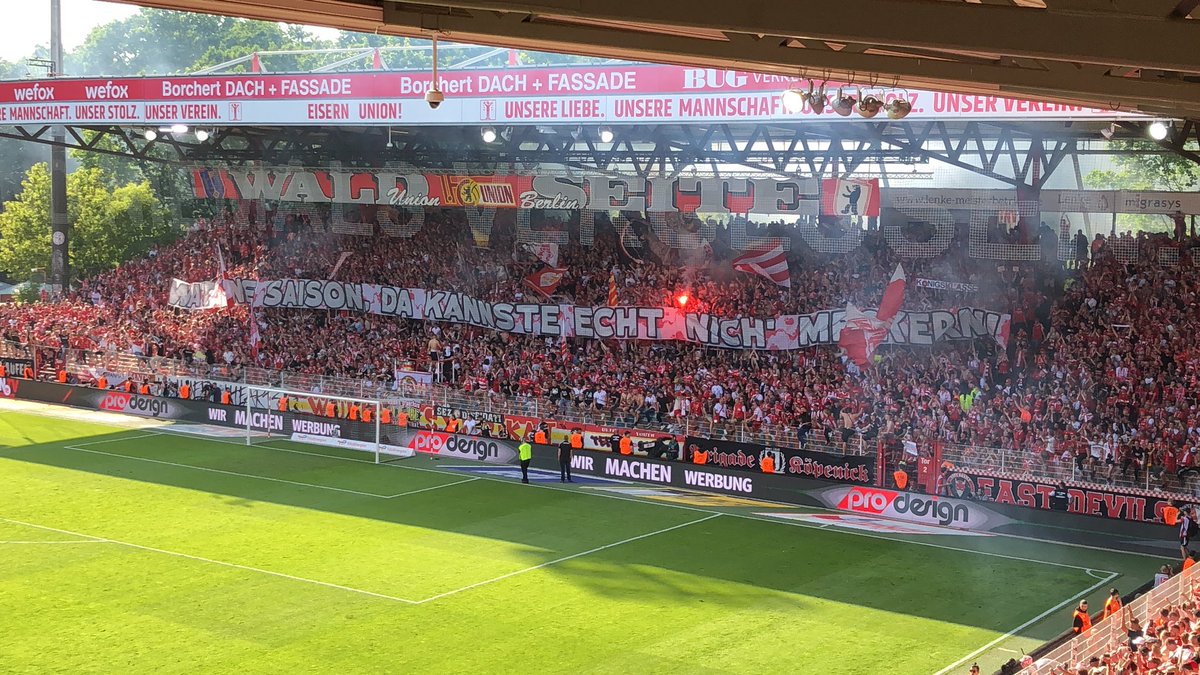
x=138, y=551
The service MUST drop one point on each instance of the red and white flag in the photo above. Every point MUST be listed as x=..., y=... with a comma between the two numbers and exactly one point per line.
x=547, y=253
x=613, y=298
x=220, y=297
x=863, y=333
x=770, y=263
x=545, y=280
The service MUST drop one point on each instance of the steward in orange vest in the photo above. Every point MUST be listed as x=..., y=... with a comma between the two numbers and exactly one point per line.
x=128, y=385
x=366, y=414
x=185, y=391
x=354, y=412
x=385, y=415
x=329, y=409
x=1113, y=604
x=102, y=382
x=768, y=464
x=27, y=373
x=626, y=444
x=539, y=437
x=3, y=371
x=225, y=398
x=901, y=479
x=699, y=457
x=62, y=377
x=144, y=390
x=576, y=440
x=1080, y=621
x=401, y=419
x=283, y=404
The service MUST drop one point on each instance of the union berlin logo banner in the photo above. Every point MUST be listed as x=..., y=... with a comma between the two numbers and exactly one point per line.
x=790, y=331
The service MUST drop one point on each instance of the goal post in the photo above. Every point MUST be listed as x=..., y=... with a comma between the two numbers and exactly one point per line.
x=310, y=418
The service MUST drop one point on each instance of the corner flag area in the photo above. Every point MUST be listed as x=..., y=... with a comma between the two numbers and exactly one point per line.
x=282, y=557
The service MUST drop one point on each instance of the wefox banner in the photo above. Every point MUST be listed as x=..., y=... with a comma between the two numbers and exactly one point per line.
x=790, y=331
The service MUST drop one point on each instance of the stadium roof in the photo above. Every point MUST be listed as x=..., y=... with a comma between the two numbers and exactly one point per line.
x=1128, y=55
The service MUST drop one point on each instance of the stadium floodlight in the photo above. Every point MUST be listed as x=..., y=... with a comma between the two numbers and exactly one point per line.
x=606, y=135
x=816, y=97
x=898, y=108
x=488, y=134
x=843, y=105
x=150, y=134
x=202, y=135
x=793, y=100
x=178, y=128
x=1158, y=130
x=869, y=105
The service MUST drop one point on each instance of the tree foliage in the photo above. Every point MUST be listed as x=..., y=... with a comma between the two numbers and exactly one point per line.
x=108, y=226
x=1159, y=171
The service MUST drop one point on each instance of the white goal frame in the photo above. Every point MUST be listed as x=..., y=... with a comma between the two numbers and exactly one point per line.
x=272, y=396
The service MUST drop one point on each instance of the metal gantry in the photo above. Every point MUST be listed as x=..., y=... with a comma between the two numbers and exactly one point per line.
x=1023, y=154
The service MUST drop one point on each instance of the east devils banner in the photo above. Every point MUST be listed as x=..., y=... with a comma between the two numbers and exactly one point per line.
x=799, y=196
x=790, y=331
x=1087, y=501
x=857, y=469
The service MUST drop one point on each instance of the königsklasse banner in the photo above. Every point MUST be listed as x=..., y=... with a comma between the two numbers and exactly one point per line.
x=790, y=331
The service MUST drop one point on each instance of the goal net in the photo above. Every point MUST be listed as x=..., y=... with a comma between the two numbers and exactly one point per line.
x=361, y=424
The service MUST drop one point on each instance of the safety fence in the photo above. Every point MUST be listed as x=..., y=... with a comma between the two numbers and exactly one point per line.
x=1014, y=464
x=1107, y=635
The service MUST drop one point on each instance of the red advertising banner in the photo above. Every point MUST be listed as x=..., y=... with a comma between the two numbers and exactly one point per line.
x=597, y=94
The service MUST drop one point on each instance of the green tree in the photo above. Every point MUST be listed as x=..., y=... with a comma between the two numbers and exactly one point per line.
x=1145, y=171
x=108, y=227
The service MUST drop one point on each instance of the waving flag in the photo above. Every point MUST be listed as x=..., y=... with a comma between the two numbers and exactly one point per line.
x=613, y=299
x=863, y=333
x=770, y=263
x=545, y=280
x=221, y=297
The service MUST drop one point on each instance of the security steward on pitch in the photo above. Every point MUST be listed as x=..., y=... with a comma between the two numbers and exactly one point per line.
x=564, y=461
x=525, y=454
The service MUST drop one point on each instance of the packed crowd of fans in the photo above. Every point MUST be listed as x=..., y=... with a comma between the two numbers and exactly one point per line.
x=1099, y=374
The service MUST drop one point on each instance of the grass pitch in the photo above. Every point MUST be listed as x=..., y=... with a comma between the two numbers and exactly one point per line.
x=145, y=552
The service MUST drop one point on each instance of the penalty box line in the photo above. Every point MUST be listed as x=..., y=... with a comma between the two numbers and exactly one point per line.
x=106, y=540
x=80, y=447
x=556, y=561
x=1071, y=600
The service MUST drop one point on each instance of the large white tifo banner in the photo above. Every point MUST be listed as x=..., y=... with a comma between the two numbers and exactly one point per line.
x=790, y=331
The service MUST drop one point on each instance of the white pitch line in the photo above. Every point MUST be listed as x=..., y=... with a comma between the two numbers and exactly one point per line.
x=566, y=558
x=86, y=541
x=435, y=487
x=1027, y=624
x=228, y=473
x=166, y=431
x=177, y=554
x=116, y=440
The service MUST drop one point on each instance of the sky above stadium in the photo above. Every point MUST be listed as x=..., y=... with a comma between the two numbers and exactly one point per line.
x=27, y=23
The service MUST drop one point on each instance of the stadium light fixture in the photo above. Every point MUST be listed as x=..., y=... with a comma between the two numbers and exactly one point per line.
x=1109, y=131
x=869, y=105
x=178, y=128
x=816, y=97
x=898, y=108
x=843, y=105
x=1158, y=130
x=150, y=134
x=793, y=100
x=488, y=134
x=202, y=135
x=606, y=135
